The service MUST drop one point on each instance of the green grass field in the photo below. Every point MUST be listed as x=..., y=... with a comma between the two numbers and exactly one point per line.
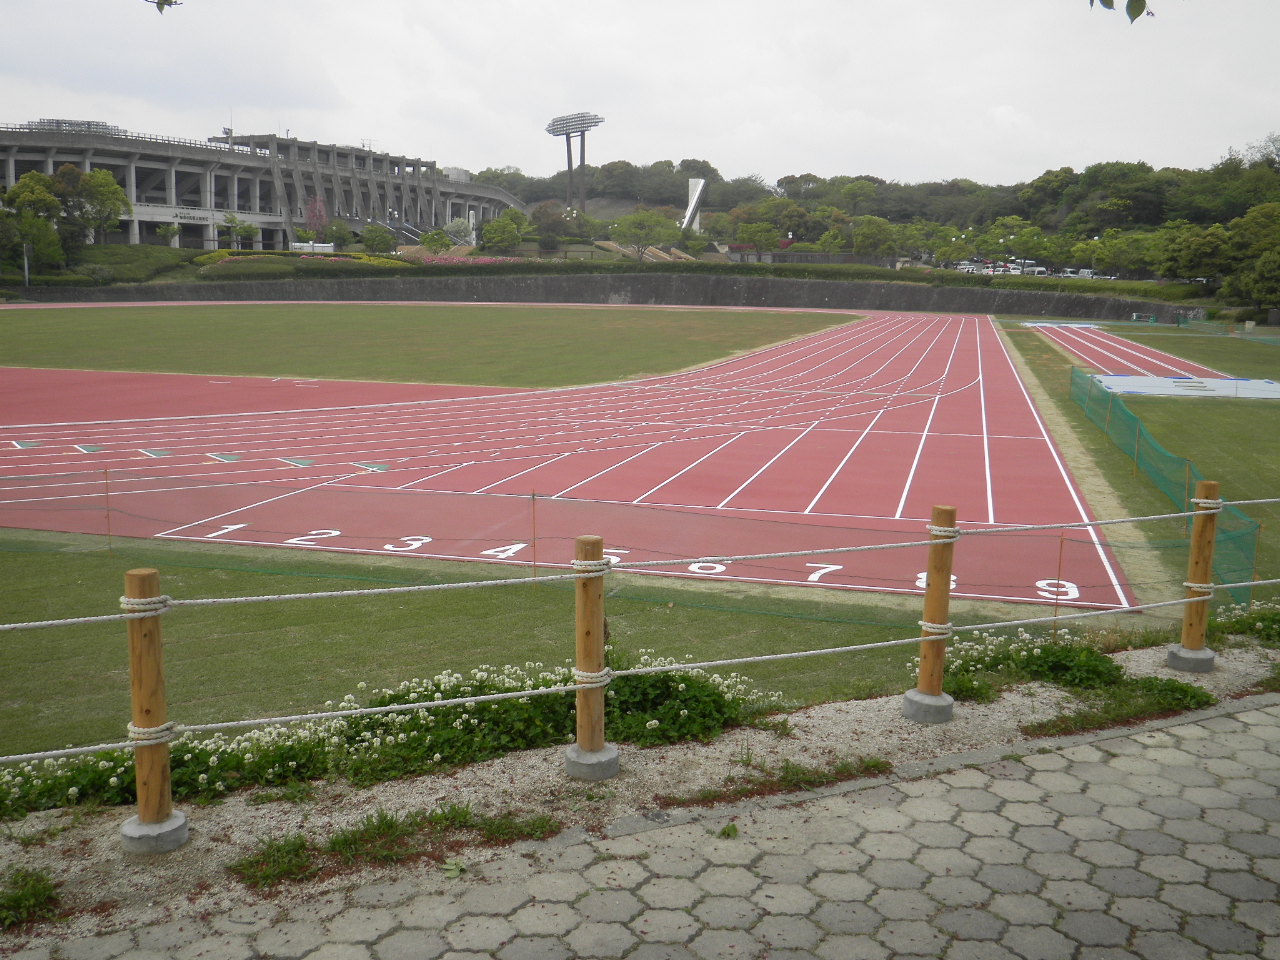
x=70, y=685
x=456, y=343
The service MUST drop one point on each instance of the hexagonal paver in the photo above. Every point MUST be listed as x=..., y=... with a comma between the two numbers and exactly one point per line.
x=787, y=933
x=545, y=919
x=728, y=881
x=728, y=913
x=479, y=933
x=784, y=898
x=600, y=940
x=606, y=906
x=1093, y=929
x=665, y=926
x=888, y=846
x=617, y=874
x=914, y=937
x=970, y=924
x=896, y=874
x=670, y=892
x=902, y=905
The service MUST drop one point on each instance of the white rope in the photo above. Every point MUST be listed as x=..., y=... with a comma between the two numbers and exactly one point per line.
x=952, y=533
x=633, y=672
x=1209, y=506
x=587, y=678
x=149, y=736
x=638, y=564
x=1080, y=525
x=381, y=591
x=146, y=606
x=1237, y=503
x=940, y=631
x=1202, y=587
x=593, y=568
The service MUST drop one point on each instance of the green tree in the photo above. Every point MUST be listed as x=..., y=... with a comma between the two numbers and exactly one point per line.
x=103, y=201
x=501, y=235
x=339, y=234
x=34, y=194
x=873, y=237
x=644, y=229
x=1259, y=283
x=378, y=239
x=436, y=242
x=857, y=194
x=1185, y=250
x=45, y=246
x=762, y=236
x=237, y=231
x=168, y=232
x=305, y=235
x=831, y=241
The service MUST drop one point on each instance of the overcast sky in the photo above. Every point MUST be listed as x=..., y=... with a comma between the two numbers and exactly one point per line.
x=996, y=91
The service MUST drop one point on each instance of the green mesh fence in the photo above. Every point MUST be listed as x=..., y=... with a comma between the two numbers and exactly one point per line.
x=1236, y=545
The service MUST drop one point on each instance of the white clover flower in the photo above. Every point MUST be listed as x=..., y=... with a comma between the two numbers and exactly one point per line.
x=651, y=724
x=73, y=792
x=114, y=781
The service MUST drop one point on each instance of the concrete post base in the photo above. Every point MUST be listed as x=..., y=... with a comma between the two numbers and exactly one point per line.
x=926, y=708
x=160, y=837
x=1191, y=661
x=591, y=765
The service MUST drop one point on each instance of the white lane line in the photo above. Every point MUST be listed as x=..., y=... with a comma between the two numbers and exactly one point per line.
x=601, y=473
x=260, y=503
x=772, y=460
x=924, y=434
x=852, y=450
x=1083, y=514
x=536, y=466
x=986, y=432
x=695, y=463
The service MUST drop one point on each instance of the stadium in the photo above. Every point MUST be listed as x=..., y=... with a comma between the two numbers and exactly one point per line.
x=264, y=180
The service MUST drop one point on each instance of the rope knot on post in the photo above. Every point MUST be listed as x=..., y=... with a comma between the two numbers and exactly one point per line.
x=1209, y=503
x=146, y=736
x=939, y=631
x=951, y=533
x=593, y=567
x=587, y=678
x=1201, y=587
x=146, y=606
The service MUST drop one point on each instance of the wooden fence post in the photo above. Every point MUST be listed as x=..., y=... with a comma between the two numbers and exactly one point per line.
x=591, y=757
x=157, y=827
x=1191, y=656
x=927, y=703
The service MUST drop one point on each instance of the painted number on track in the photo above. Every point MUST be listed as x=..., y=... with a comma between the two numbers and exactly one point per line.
x=707, y=567
x=821, y=570
x=225, y=529
x=309, y=539
x=407, y=543
x=1057, y=589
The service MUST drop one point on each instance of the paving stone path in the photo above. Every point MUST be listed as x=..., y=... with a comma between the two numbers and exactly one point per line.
x=1160, y=843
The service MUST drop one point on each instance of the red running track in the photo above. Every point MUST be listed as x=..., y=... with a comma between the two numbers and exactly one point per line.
x=1115, y=356
x=844, y=438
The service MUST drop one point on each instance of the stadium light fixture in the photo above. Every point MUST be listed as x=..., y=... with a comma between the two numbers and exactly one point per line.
x=569, y=126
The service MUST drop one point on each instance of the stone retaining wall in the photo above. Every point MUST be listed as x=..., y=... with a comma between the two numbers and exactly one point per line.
x=655, y=288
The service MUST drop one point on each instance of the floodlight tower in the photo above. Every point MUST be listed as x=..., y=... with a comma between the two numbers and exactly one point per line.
x=568, y=126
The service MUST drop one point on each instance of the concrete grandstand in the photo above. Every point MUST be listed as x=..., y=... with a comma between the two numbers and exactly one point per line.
x=266, y=180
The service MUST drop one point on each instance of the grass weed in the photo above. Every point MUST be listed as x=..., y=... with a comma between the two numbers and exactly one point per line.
x=26, y=897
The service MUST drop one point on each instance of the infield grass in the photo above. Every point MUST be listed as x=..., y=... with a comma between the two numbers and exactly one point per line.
x=477, y=344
